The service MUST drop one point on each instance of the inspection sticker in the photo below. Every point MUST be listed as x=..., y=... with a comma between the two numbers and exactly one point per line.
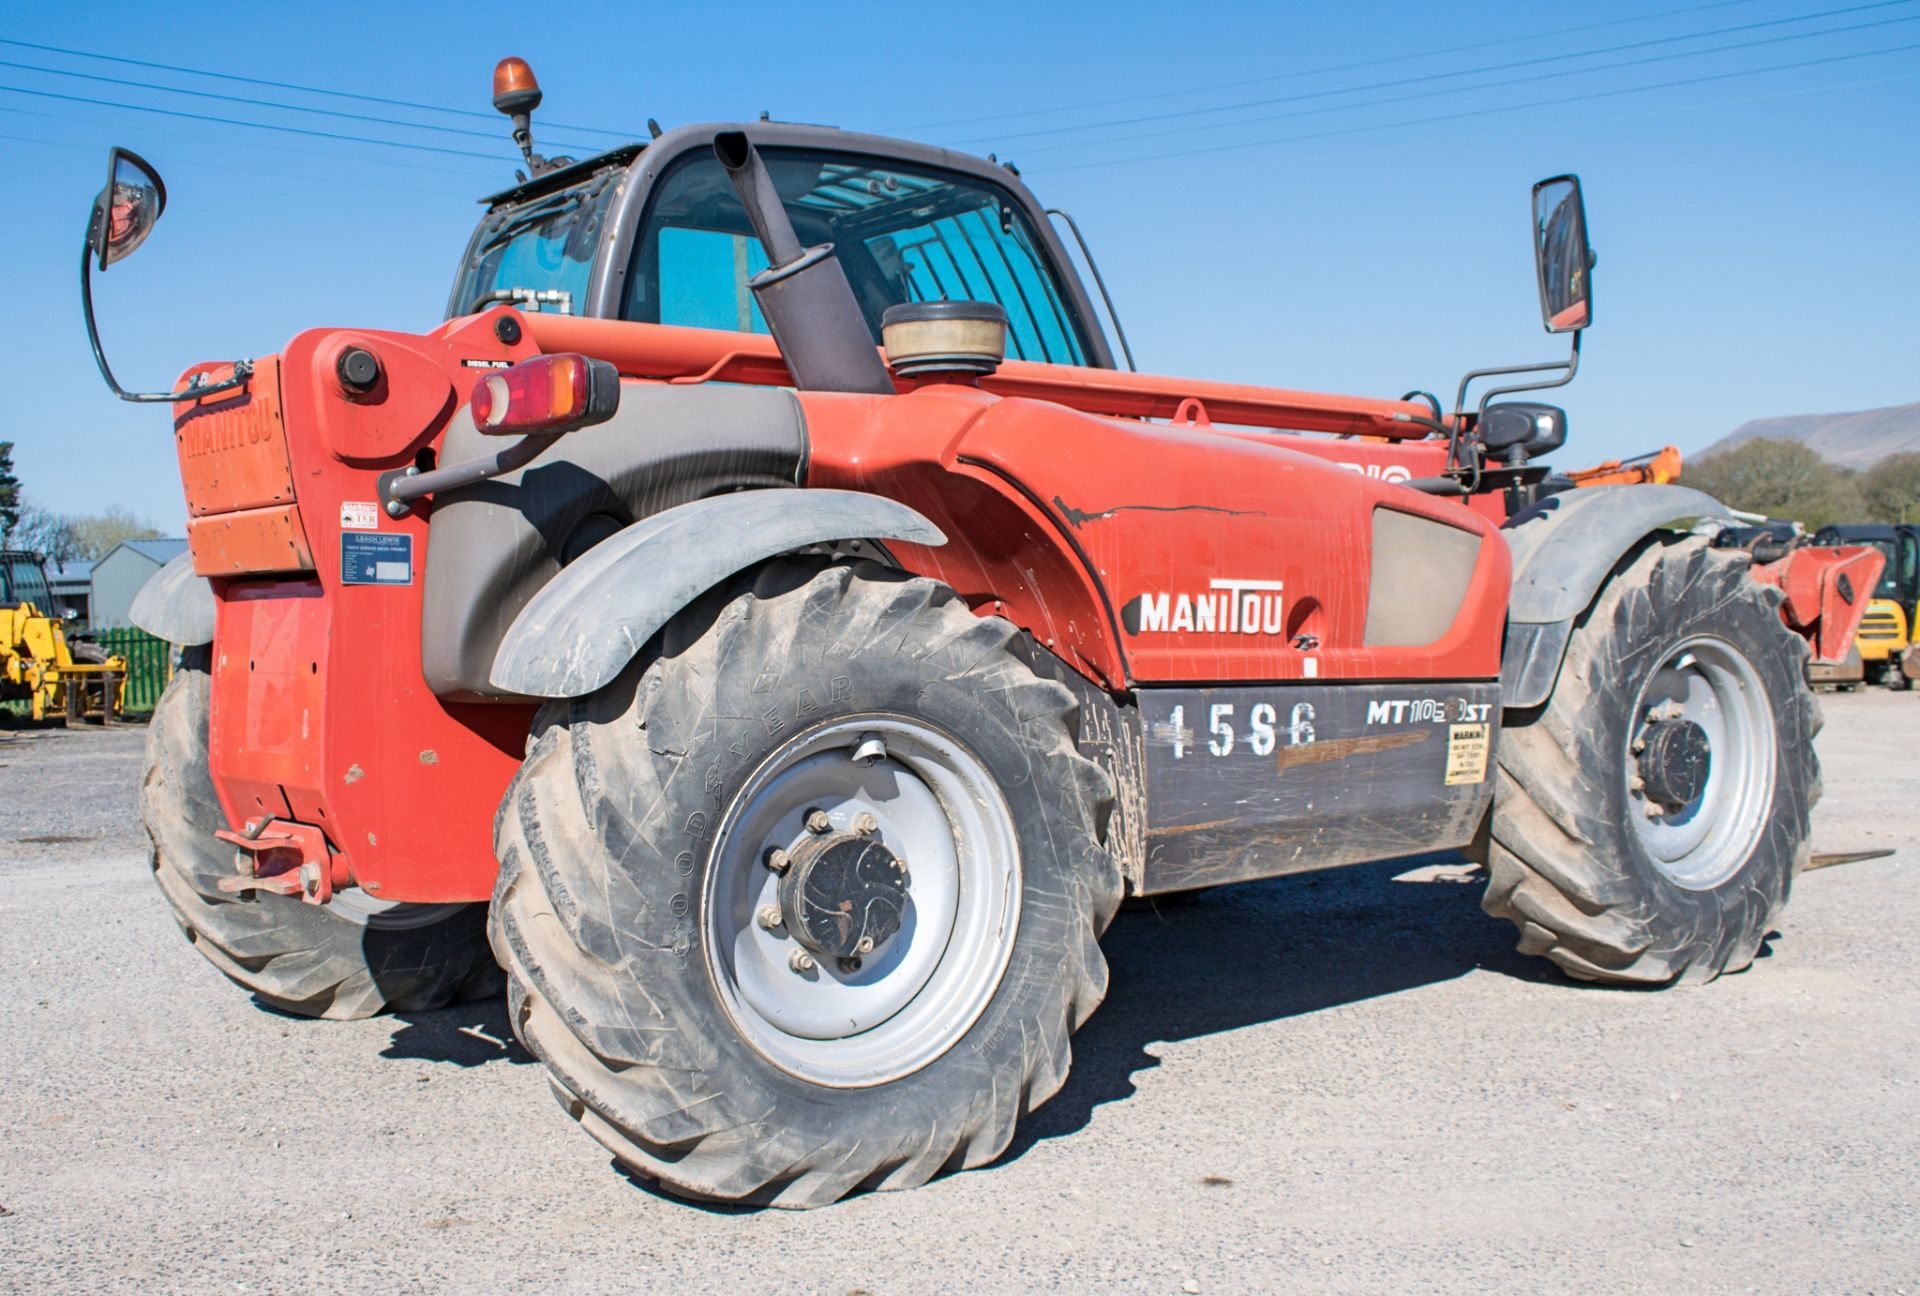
x=359, y=515
x=379, y=558
x=1467, y=746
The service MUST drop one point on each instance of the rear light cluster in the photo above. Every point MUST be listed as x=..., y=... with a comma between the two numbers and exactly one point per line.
x=554, y=393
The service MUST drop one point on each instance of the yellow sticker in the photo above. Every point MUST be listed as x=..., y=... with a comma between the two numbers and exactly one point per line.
x=1467, y=746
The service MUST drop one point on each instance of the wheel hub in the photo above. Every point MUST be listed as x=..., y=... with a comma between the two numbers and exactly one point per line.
x=1677, y=761
x=843, y=895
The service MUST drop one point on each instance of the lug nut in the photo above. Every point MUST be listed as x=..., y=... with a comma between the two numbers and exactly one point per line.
x=865, y=824
x=818, y=823
x=800, y=961
x=865, y=945
x=1635, y=782
x=778, y=860
x=769, y=916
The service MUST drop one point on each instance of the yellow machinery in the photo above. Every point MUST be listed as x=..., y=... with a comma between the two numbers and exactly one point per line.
x=1886, y=637
x=37, y=664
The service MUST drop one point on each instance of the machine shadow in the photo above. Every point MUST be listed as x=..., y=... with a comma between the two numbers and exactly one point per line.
x=1264, y=951
x=468, y=1034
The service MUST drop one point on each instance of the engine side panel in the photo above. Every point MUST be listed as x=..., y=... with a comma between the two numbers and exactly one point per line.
x=1246, y=783
x=1154, y=553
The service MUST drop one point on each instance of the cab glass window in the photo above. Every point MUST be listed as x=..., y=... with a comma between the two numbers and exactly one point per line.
x=903, y=234
x=26, y=583
x=537, y=255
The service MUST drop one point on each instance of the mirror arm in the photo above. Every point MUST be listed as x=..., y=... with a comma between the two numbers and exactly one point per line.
x=1571, y=366
x=242, y=369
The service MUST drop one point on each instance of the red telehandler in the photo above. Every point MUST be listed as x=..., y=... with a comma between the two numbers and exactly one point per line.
x=763, y=620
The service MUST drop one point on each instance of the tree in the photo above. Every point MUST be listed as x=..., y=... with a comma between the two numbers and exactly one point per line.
x=9, y=495
x=1892, y=488
x=45, y=533
x=1780, y=479
x=97, y=533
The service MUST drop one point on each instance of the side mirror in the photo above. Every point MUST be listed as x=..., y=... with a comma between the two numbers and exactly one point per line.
x=1561, y=255
x=124, y=213
x=127, y=209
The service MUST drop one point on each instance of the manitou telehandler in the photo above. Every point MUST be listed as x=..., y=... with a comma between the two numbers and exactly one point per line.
x=763, y=621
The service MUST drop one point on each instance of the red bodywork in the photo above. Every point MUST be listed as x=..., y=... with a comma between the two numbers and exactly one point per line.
x=1061, y=500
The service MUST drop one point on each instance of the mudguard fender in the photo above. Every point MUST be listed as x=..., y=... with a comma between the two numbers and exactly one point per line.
x=175, y=604
x=1563, y=547
x=583, y=627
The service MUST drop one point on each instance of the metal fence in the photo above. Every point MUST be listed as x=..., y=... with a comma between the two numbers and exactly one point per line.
x=149, y=665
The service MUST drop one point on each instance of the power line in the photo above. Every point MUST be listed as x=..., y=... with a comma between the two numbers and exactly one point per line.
x=250, y=170
x=289, y=85
x=1324, y=68
x=1664, y=111
x=466, y=170
x=256, y=103
x=1511, y=81
x=1486, y=112
x=1440, y=76
x=229, y=121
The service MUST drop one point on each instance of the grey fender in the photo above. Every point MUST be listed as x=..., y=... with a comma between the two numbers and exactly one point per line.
x=1563, y=549
x=583, y=627
x=175, y=604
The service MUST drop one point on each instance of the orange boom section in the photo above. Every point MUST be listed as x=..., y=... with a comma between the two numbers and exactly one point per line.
x=242, y=513
x=675, y=354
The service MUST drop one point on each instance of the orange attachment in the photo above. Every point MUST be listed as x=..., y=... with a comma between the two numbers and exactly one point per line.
x=1826, y=589
x=1656, y=469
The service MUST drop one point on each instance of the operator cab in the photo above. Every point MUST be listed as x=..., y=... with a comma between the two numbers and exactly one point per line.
x=655, y=232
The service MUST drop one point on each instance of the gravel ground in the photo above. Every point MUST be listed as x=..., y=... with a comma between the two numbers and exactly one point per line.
x=1332, y=1083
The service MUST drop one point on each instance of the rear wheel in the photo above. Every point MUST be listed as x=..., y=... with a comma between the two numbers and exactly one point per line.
x=352, y=957
x=810, y=902
x=1649, y=819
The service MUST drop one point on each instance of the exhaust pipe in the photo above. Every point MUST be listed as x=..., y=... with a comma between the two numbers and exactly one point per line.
x=803, y=293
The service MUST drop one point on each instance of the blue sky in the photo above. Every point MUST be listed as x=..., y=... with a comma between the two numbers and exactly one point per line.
x=1310, y=195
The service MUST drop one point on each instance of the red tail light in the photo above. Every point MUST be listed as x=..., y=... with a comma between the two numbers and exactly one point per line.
x=555, y=393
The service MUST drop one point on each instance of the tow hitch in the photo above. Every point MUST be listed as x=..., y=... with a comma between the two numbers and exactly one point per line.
x=286, y=859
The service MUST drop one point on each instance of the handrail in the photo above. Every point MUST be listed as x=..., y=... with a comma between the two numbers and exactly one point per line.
x=671, y=353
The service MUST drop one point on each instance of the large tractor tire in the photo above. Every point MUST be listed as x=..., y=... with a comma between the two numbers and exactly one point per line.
x=810, y=900
x=1648, y=821
x=353, y=957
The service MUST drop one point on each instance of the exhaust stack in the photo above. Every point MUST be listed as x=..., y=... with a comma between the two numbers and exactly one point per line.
x=803, y=293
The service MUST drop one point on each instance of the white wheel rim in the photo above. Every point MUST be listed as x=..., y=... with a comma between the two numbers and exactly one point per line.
x=1711, y=683
x=915, y=996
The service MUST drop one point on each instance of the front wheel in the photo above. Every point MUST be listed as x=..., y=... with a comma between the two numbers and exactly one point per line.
x=1648, y=820
x=810, y=902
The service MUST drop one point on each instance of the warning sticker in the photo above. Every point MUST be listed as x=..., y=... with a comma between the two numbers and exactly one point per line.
x=1467, y=746
x=359, y=515
x=376, y=559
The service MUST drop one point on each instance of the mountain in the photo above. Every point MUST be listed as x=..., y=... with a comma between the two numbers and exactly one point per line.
x=1857, y=440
